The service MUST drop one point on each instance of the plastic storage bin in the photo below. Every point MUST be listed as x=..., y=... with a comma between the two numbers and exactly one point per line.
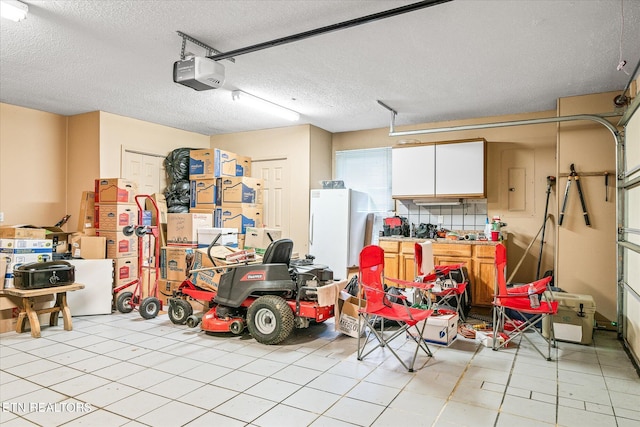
x=574, y=321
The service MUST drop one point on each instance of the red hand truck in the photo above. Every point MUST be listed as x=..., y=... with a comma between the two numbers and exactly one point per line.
x=148, y=259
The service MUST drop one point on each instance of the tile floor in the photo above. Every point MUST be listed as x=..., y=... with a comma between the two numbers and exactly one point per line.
x=119, y=369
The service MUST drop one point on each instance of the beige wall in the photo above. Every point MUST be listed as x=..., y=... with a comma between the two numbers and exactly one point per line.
x=48, y=160
x=293, y=143
x=586, y=258
x=33, y=166
x=83, y=156
x=118, y=133
x=320, y=156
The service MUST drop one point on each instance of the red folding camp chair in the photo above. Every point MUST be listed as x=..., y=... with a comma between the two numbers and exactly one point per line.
x=379, y=308
x=509, y=303
x=448, y=291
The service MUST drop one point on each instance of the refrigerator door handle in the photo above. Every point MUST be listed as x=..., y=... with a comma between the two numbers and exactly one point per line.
x=311, y=230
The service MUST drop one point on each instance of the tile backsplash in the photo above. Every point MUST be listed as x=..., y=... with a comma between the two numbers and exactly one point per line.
x=470, y=215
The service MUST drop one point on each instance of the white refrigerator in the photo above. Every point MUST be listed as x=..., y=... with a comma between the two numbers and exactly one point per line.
x=337, y=228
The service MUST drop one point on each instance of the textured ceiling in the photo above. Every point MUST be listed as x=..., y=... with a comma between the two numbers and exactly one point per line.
x=456, y=60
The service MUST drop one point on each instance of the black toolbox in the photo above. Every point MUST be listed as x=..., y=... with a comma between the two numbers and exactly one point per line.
x=38, y=275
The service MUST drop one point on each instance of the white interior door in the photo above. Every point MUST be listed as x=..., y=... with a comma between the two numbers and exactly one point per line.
x=147, y=170
x=276, y=211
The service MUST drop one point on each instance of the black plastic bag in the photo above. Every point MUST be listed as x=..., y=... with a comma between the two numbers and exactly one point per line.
x=176, y=165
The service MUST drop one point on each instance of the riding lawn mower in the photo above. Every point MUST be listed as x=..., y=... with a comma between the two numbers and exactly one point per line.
x=269, y=298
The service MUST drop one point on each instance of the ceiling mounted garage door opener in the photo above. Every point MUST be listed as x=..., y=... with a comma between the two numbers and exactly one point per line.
x=574, y=175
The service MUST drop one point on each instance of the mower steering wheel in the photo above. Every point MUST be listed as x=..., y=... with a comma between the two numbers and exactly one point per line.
x=211, y=245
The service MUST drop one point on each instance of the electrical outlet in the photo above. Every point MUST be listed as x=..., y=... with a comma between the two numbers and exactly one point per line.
x=440, y=219
x=1, y=216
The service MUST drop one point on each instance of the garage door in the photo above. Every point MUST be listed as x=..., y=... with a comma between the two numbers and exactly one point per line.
x=629, y=233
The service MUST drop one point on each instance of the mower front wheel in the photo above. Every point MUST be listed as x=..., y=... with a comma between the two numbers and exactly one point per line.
x=270, y=319
x=150, y=307
x=179, y=311
x=123, y=302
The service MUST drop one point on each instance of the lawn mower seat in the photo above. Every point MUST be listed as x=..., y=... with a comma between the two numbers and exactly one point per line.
x=278, y=252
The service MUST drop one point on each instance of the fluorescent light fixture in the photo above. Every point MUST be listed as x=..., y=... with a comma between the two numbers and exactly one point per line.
x=263, y=105
x=437, y=202
x=13, y=10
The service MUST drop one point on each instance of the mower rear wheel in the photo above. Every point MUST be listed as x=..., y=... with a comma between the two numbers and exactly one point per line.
x=150, y=307
x=270, y=319
x=179, y=311
x=123, y=303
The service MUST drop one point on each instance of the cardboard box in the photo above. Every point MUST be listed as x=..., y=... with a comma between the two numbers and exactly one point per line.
x=228, y=236
x=115, y=216
x=232, y=190
x=574, y=321
x=119, y=245
x=203, y=193
x=241, y=217
x=59, y=237
x=346, y=314
x=440, y=330
x=3, y=269
x=9, y=301
x=205, y=279
x=22, y=232
x=17, y=257
x=161, y=205
x=149, y=280
x=25, y=245
x=166, y=289
x=88, y=247
x=115, y=190
x=125, y=270
x=258, y=238
x=176, y=262
x=87, y=207
x=213, y=163
x=182, y=228
x=9, y=316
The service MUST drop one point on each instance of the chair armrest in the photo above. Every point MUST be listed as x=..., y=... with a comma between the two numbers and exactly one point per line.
x=408, y=284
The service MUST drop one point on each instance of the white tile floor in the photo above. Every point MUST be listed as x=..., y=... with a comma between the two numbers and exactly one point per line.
x=122, y=370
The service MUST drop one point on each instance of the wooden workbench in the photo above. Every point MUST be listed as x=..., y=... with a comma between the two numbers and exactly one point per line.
x=27, y=310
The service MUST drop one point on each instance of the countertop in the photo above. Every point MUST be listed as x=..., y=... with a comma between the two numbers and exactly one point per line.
x=448, y=241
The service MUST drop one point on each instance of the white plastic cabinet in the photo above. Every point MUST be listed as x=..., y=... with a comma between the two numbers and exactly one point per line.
x=460, y=169
x=452, y=169
x=412, y=171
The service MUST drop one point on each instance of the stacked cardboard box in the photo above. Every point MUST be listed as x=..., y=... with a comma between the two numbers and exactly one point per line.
x=115, y=209
x=20, y=245
x=176, y=259
x=221, y=185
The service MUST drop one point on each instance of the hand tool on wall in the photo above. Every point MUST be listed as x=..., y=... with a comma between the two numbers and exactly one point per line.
x=551, y=180
x=574, y=175
x=606, y=186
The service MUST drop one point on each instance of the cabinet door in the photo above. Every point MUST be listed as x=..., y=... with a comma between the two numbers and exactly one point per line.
x=391, y=266
x=412, y=171
x=408, y=267
x=483, y=282
x=460, y=169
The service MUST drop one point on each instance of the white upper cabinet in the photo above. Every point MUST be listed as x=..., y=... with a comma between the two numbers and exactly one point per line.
x=460, y=169
x=452, y=169
x=412, y=171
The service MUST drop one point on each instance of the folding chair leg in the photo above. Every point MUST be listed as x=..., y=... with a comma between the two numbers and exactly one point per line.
x=382, y=341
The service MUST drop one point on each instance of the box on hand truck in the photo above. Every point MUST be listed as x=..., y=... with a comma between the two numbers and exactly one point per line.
x=147, y=303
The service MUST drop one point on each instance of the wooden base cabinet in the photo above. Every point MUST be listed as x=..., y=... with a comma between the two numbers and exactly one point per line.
x=478, y=258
